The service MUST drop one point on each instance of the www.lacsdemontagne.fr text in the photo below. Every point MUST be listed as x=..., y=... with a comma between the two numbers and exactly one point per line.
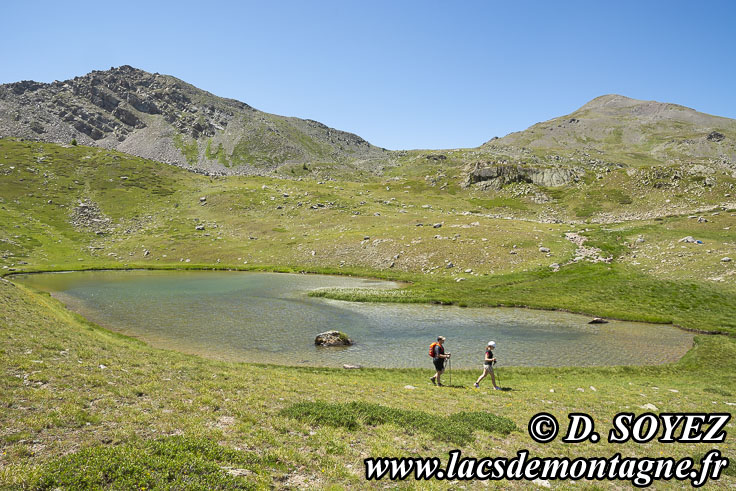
x=640, y=472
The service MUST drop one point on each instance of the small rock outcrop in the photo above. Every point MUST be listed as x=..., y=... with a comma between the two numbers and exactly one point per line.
x=598, y=320
x=332, y=338
x=496, y=175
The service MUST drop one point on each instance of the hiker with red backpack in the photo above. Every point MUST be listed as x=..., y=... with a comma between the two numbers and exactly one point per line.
x=437, y=352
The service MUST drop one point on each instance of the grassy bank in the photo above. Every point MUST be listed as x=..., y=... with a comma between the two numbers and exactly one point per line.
x=80, y=402
x=612, y=291
x=85, y=407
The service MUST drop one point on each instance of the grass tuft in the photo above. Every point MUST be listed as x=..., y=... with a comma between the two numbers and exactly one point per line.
x=168, y=463
x=457, y=428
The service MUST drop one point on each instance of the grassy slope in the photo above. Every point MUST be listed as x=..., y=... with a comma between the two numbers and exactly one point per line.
x=69, y=385
x=145, y=393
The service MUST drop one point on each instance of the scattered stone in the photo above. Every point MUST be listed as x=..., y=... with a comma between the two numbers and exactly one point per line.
x=332, y=338
x=347, y=366
x=459, y=280
x=203, y=199
x=199, y=227
x=593, y=389
x=715, y=136
x=726, y=260
x=542, y=482
x=237, y=472
x=580, y=389
x=409, y=387
x=598, y=320
x=468, y=270
x=146, y=252
x=544, y=249
x=437, y=225
x=649, y=406
x=449, y=265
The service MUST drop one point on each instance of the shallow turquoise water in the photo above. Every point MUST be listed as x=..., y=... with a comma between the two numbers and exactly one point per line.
x=268, y=318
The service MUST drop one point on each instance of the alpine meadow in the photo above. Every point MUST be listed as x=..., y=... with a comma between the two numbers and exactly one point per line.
x=623, y=209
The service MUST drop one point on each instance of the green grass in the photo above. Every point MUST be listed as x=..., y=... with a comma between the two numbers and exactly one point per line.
x=166, y=463
x=164, y=419
x=218, y=154
x=66, y=421
x=598, y=289
x=190, y=149
x=456, y=429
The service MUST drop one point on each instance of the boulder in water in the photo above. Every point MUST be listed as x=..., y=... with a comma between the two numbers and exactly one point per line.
x=598, y=320
x=332, y=338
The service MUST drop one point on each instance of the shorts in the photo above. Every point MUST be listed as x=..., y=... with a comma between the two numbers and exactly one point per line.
x=439, y=364
x=488, y=368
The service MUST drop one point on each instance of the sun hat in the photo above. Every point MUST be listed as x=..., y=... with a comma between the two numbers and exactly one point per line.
x=492, y=343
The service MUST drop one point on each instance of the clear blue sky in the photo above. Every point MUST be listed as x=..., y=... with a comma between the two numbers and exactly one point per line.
x=402, y=74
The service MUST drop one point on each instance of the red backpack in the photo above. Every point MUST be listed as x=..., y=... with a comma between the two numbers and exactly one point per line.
x=431, y=348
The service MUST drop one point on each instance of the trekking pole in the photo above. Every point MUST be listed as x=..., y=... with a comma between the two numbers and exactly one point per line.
x=449, y=371
x=498, y=377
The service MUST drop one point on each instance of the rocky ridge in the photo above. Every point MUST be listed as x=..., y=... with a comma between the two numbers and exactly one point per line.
x=163, y=118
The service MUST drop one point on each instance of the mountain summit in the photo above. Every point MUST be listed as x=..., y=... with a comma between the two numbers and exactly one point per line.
x=163, y=118
x=628, y=131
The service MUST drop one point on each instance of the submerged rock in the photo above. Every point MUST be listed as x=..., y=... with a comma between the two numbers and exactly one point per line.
x=332, y=338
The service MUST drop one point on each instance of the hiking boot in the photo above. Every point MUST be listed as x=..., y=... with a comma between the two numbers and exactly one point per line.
x=476, y=385
x=431, y=379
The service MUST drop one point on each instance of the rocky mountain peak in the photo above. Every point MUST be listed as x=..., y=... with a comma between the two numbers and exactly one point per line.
x=164, y=118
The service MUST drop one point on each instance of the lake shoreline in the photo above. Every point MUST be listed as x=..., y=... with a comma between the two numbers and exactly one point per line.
x=181, y=312
x=403, y=283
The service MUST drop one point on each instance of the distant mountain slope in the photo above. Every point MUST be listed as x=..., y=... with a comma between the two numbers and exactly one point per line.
x=618, y=129
x=163, y=118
